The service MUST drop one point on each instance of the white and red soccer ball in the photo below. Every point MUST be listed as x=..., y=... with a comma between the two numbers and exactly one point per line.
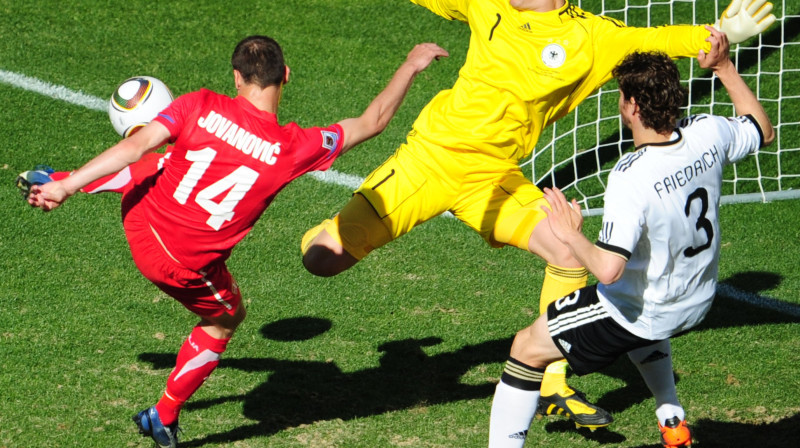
x=136, y=102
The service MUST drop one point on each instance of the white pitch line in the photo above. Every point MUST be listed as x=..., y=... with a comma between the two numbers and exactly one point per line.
x=334, y=177
x=53, y=91
x=331, y=176
x=94, y=103
x=765, y=302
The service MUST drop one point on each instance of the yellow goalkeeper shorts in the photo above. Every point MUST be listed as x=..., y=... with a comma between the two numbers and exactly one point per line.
x=422, y=181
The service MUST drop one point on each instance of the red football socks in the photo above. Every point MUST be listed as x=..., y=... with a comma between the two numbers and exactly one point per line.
x=198, y=357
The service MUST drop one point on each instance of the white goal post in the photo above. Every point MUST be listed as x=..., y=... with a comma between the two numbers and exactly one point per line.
x=577, y=153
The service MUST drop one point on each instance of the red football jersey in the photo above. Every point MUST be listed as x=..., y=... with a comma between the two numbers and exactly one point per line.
x=228, y=163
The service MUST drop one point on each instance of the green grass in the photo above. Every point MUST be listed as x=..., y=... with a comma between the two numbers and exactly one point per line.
x=403, y=350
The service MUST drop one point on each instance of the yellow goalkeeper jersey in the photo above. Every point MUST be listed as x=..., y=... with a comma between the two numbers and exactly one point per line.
x=524, y=70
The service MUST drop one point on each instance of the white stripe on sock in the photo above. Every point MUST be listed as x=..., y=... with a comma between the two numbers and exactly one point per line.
x=203, y=358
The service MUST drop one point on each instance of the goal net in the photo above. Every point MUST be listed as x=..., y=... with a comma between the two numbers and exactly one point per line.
x=577, y=153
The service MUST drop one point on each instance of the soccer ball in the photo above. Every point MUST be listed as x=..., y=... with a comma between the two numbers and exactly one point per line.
x=136, y=102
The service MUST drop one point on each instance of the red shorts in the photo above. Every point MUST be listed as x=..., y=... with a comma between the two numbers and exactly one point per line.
x=210, y=292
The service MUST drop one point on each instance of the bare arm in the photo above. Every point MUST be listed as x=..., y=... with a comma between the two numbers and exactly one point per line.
x=112, y=160
x=744, y=100
x=381, y=110
x=565, y=220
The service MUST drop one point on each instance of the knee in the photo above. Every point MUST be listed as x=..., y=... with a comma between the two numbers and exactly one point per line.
x=324, y=255
x=524, y=349
x=225, y=325
x=324, y=262
x=544, y=243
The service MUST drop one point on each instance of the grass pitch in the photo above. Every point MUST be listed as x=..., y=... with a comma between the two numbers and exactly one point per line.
x=403, y=350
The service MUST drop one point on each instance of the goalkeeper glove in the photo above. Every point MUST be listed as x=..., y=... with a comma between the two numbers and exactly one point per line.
x=740, y=22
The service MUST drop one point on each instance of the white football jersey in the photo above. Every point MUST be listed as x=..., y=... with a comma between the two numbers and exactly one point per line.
x=661, y=214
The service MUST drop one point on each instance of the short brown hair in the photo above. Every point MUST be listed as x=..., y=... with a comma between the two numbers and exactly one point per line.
x=654, y=81
x=260, y=61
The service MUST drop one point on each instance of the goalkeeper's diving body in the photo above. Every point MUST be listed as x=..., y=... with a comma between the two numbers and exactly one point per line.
x=529, y=63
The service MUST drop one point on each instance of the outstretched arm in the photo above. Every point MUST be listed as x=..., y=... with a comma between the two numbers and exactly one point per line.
x=744, y=100
x=381, y=110
x=52, y=194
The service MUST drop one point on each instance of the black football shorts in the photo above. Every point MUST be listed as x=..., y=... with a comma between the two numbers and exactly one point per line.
x=586, y=334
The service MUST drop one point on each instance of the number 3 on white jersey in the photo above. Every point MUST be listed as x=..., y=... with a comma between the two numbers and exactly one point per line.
x=238, y=183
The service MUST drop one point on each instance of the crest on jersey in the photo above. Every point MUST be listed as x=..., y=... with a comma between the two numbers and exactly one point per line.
x=554, y=55
x=330, y=140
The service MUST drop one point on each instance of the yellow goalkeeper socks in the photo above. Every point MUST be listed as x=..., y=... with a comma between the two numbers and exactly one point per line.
x=554, y=380
x=558, y=282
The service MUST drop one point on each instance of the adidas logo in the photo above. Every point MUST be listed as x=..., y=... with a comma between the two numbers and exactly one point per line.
x=567, y=346
x=526, y=27
x=519, y=435
x=653, y=357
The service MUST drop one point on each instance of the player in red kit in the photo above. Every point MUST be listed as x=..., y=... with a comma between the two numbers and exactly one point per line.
x=230, y=157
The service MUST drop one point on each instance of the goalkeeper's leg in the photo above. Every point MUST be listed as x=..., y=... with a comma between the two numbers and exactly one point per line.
x=563, y=275
x=337, y=244
x=394, y=198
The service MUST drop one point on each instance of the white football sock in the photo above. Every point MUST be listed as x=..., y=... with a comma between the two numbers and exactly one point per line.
x=512, y=412
x=655, y=365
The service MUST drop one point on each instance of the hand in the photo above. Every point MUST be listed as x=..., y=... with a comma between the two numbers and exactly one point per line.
x=719, y=55
x=565, y=218
x=742, y=22
x=48, y=196
x=422, y=55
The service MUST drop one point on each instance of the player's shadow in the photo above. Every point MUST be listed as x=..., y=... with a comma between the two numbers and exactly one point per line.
x=304, y=392
x=725, y=313
x=784, y=433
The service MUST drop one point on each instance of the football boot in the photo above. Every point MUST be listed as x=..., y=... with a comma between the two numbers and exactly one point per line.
x=149, y=423
x=574, y=406
x=675, y=433
x=40, y=174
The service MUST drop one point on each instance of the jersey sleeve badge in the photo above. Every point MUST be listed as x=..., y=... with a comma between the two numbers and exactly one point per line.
x=330, y=140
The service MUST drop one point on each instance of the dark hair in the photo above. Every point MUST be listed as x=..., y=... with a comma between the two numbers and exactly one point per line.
x=260, y=61
x=654, y=81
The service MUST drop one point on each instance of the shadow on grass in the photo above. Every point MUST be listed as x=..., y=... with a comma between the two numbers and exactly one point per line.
x=304, y=392
x=710, y=434
x=724, y=313
x=781, y=434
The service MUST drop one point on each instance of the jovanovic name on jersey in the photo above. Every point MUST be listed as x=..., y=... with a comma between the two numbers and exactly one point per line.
x=236, y=136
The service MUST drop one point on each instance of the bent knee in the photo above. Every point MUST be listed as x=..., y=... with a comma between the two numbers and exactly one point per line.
x=533, y=346
x=324, y=261
x=321, y=251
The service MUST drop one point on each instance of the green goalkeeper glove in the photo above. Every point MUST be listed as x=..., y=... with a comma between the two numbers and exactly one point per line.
x=740, y=23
